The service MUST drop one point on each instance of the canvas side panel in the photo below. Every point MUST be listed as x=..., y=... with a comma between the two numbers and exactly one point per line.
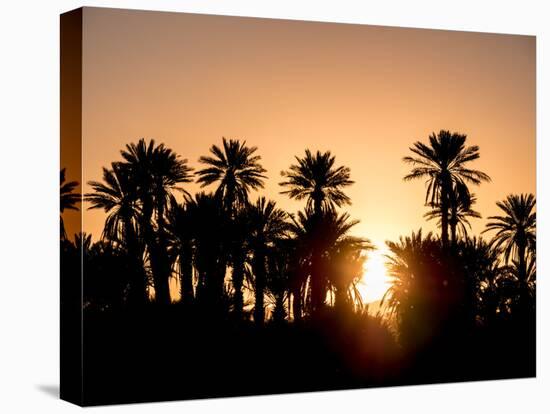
x=71, y=385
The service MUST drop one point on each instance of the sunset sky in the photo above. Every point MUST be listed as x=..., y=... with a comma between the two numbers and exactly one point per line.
x=365, y=93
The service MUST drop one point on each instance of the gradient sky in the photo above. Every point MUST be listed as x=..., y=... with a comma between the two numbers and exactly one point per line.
x=364, y=92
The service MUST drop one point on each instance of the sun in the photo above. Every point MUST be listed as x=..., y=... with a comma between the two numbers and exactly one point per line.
x=375, y=281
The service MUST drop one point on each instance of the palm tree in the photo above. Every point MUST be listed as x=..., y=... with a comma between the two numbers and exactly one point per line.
x=316, y=179
x=116, y=195
x=267, y=224
x=209, y=230
x=345, y=261
x=180, y=229
x=317, y=237
x=279, y=263
x=516, y=231
x=519, y=294
x=239, y=248
x=296, y=252
x=481, y=273
x=443, y=164
x=236, y=169
x=415, y=286
x=68, y=201
x=107, y=279
x=461, y=211
x=157, y=171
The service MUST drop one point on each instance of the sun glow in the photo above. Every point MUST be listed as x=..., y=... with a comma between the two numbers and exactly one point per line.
x=375, y=281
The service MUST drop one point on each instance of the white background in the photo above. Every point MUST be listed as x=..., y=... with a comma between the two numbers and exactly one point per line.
x=29, y=229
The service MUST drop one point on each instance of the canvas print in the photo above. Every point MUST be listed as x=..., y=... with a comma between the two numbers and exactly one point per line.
x=257, y=206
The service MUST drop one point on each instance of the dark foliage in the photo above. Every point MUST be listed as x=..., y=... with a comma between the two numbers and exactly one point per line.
x=268, y=300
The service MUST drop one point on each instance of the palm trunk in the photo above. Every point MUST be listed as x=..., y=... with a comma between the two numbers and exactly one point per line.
x=340, y=300
x=317, y=285
x=279, y=313
x=162, y=294
x=186, y=275
x=317, y=206
x=444, y=215
x=163, y=274
x=259, y=271
x=522, y=262
x=201, y=283
x=453, y=223
x=221, y=270
x=522, y=275
x=138, y=283
x=297, y=303
x=237, y=277
x=213, y=285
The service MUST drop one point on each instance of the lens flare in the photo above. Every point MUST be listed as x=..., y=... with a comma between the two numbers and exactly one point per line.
x=375, y=280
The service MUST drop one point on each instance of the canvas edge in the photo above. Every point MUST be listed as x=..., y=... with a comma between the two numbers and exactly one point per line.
x=71, y=385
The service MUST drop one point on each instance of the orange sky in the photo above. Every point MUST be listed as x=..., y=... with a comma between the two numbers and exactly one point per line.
x=364, y=92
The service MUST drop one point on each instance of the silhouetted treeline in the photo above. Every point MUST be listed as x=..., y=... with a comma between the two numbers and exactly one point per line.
x=457, y=308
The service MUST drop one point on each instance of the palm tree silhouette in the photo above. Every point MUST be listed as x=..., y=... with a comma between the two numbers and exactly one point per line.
x=443, y=164
x=116, y=195
x=317, y=237
x=414, y=268
x=181, y=247
x=279, y=265
x=83, y=241
x=236, y=169
x=107, y=278
x=492, y=279
x=156, y=171
x=296, y=250
x=68, y=201
x=240, y=228
x=461, y=203
x=315, y=178
x=344, y=264
x=267, y=224
x=482, y=273
x=210, y=224
x=516, y=231
x=461, y=301
x=519, y=294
